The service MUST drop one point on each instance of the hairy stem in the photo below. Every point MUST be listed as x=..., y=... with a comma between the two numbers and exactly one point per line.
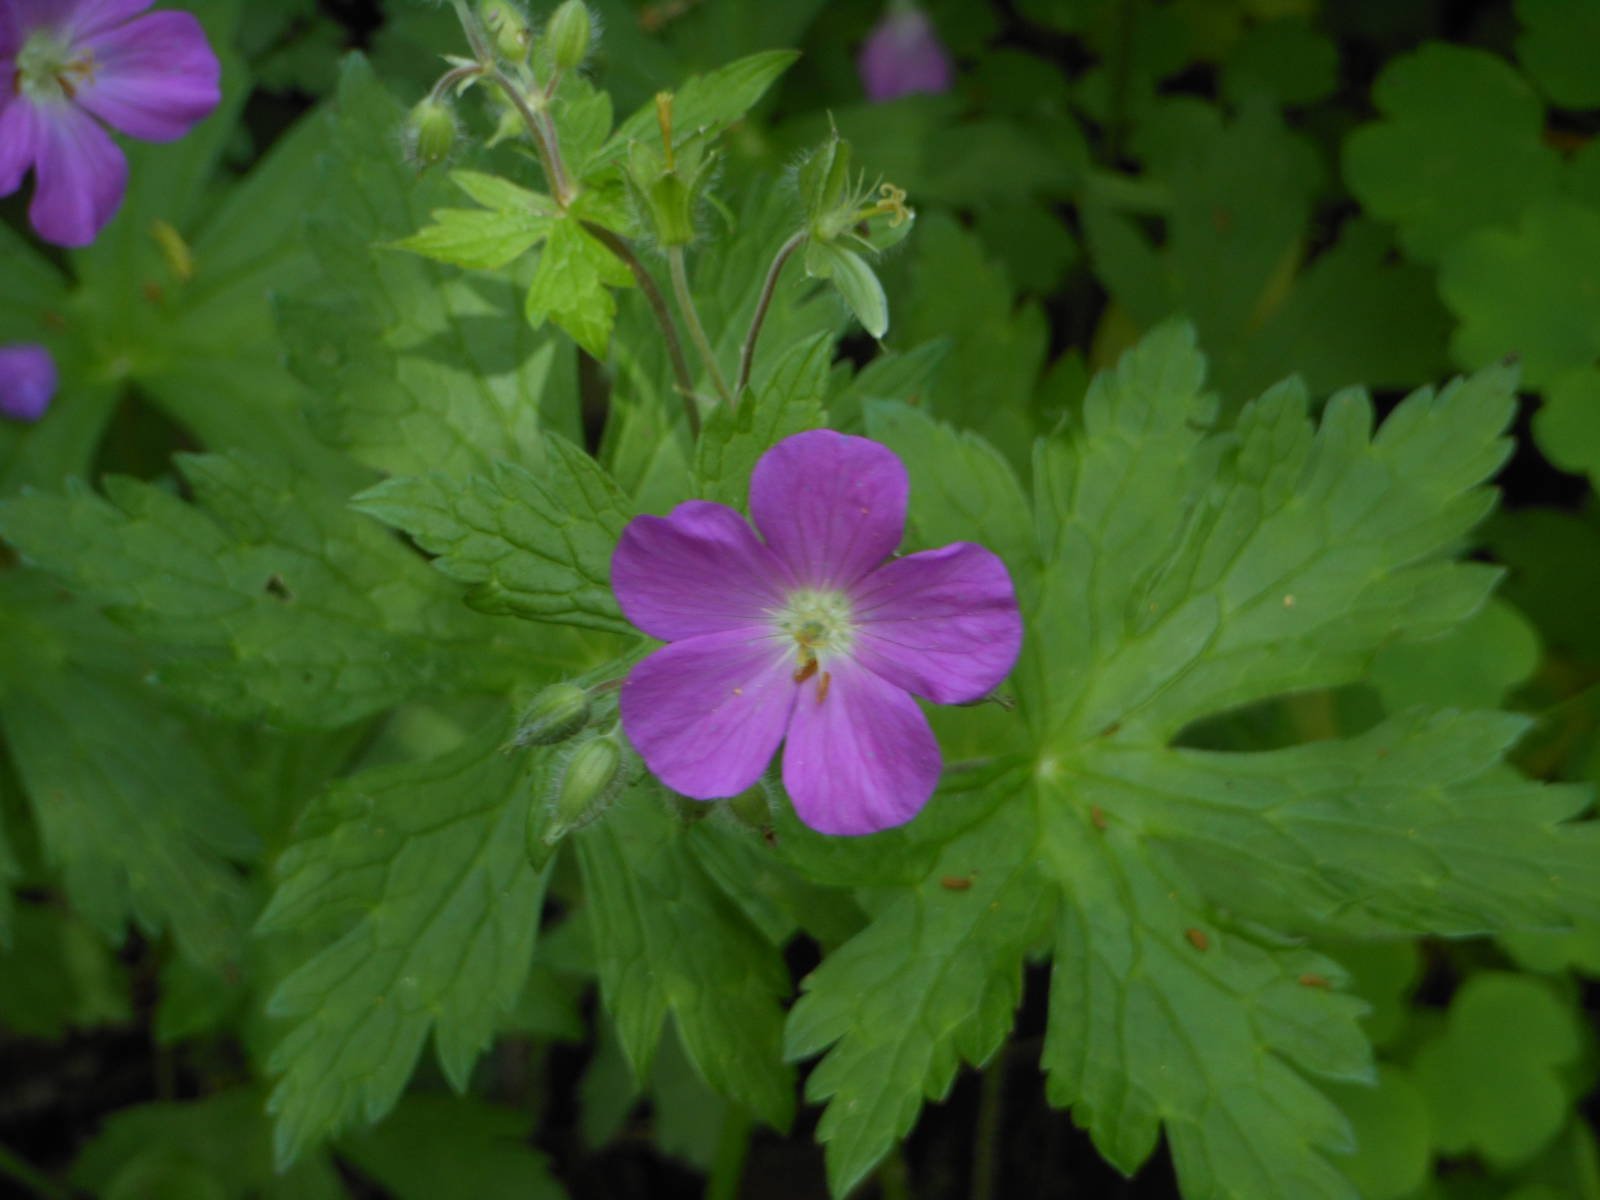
x=747, y=352
x=658, y=306
x=452, y=77
x=474, y=32
x=691, y=318
x=545, y=141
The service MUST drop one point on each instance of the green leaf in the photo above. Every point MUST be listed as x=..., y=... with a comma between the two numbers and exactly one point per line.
x=531, y=545
x=1291, y=61
x=286, y=605
x=1567, y=425
x=1394, y=1152
x=1474, y=666
x=571, y=286
x=1556, y=46
x=707, y=104
x=126, y=803
x=933, y=980
x=222, y=1141
x=1458, y=148
x=667, y=941
x=418, y=872
x=1526, y=292
x=413, y=366
x=856, y=281
x=1493, y=1080
x=58, y=974
x=1185, y=572
x=433, y=1146
x=478, y=238
x=789, y=402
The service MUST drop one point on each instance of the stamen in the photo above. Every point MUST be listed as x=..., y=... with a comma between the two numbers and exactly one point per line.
x=822, y=686
x=807, y=669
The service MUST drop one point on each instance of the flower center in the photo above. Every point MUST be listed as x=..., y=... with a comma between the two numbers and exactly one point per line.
x=822, y=624
x=49, y=70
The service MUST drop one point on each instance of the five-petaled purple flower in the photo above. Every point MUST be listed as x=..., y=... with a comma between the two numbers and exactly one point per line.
x=27, y=380
x=813, y=634
x=903, y=54
x=64, y=63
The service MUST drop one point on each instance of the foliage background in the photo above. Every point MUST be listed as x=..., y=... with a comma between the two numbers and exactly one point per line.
x=1357, y=192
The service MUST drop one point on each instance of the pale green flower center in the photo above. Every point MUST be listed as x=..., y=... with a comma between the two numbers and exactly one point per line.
x=49, y=70
x=822, y=624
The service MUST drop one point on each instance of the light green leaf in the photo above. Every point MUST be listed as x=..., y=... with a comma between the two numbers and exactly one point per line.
x=789, y=402
x=318, y=615
x=1458, y=147
x=856, y=281
x=1527, y=292
x=707, y=104
x=1474, y=666
x=571, y=286
x=477, y=238
x=433, y=1146
x=1494, y=1079
x=1394, y=1150
x=419, y=873
x=532, y=545
x=667, y=941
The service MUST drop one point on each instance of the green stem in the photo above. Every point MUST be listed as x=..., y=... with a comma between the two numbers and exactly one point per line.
x=1121, y=72
x=894, y=1181
x=769, y=286
x=733, y=1145
x=475, y=38
x=658, y=306
x=545, y=140
x=986, y=1138
x=36, y=1181
x=691, y=318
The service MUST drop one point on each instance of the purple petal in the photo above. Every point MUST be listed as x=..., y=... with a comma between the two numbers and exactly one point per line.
x=154, y=77
x=707, y=713
x=860, y=756
x=699, y=570
x=80, y=176
x=27, y=381
x=85, y=18
x=903, y=54
x=942, y=624
x=832, y=506
x=19, y=143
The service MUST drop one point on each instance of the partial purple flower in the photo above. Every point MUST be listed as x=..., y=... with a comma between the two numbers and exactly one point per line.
x=27, y=381
x=809, y=634
x=64, y=63
x=903, y=54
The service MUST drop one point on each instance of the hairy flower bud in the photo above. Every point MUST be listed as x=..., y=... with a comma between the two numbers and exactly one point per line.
x=430, y=132
x=556, y=714
x=513, y=36
x=592, y=778
x=567, y=36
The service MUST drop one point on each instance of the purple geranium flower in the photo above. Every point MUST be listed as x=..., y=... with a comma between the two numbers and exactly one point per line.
x=64, y=63
x=903, y=54
x=814, y=635
x=27, y=380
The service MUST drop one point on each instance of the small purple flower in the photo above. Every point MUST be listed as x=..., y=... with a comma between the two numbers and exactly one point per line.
x=64, y=63
x=813, y=635
x=903, y=54
x=27, y=380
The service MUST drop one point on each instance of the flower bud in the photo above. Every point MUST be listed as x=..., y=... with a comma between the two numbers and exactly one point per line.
x=567, y=36
x=593, y=777
x=513, y=36
x=430, y=132
x=556, y=714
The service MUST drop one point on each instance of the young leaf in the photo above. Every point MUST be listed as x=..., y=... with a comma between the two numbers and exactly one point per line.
x=572, y=286
x=667, y=941
x=420, y=872
x=707, y=104
x=856, y=281
x=531, y=545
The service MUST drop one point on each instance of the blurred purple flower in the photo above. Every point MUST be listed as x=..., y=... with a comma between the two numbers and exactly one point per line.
x=903, y=54
x=64, y=63
x=27, y=380
x=813, y=637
